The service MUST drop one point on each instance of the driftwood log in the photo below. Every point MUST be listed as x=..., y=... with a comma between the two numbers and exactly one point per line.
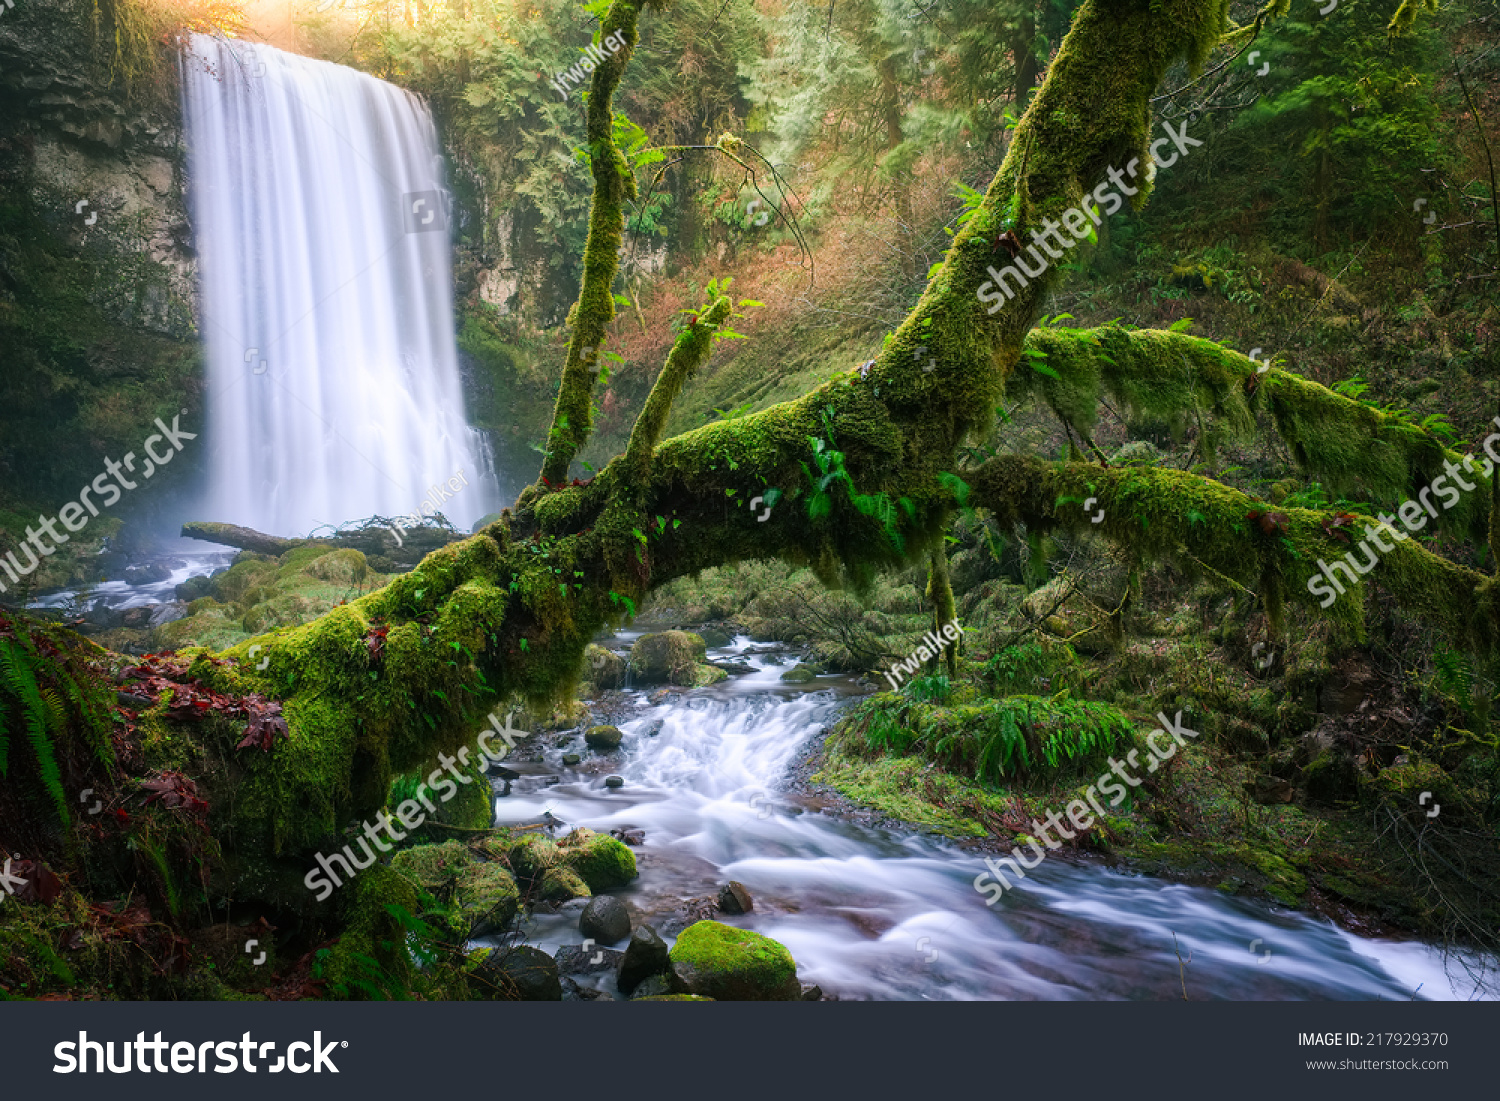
x=389, y=547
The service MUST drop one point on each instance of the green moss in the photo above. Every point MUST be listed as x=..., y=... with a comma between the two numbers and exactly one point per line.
x=604, y=863
x=1184, y=381
x=730, y=964
x=907, y=790
x=371, y=953
x=561, y=884
x=1284, y=882
x=669, y=656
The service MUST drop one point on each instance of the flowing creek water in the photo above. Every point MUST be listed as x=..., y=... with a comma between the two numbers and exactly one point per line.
x=873, y=913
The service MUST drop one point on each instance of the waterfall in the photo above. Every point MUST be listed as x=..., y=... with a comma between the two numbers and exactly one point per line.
x=326, y=304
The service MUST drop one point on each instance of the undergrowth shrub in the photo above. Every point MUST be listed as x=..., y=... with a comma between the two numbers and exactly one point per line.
x=992, y=740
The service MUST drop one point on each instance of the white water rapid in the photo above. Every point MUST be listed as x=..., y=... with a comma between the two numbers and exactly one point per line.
x=321, y=222
x=871, y=913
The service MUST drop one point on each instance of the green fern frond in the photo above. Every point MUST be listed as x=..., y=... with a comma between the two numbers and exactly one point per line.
x=18, y=681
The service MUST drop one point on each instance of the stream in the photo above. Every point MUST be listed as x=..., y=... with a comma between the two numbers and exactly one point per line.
x=872, y=913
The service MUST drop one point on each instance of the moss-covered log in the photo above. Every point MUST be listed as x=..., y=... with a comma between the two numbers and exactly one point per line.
x=1351, y=447
x=1159, y=514
x=247, y=539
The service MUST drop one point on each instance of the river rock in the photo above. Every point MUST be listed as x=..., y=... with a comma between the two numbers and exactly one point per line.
x=149, y=574
x=734, y=899
x=137, y=618
x=652, y=986
x=729, y=964
x=629, y=834
x=575, y=959
x=170, y=612
x=604, y=863
x=605, y=668
x=571, y=759
x=646, y=955
x=715, y=637
x=671, y=656
x=605, y=920
x=523, y=973
x=812, y=992
x=614, y=781
x=800, y=674
x=561, y=885
x=102, y=615
x=602, y=739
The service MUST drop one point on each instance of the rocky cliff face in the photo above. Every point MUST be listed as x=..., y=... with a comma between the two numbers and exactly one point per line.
x=103, y=166
x=97, y=268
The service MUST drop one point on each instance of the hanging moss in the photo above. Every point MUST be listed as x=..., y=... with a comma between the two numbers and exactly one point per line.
x=1350, y=447
x=1205, y=527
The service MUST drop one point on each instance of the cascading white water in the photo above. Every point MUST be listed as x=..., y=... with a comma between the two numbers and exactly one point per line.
x=319, y=214
x=875, y=913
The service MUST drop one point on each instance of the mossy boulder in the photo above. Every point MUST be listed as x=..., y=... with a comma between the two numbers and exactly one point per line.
x=434, y=868
x=704, y=675
x=604, y=863
x=533, y=855
x=800, y=673
x=670, y=657
x=603, y=668
x=485, y=901
x=480, y=897
x=473, y=804
x=521, y=973
x=718, y=961
x=248, y=572
x=1405, y=782
x=340, y=567
x=603, y=738
x=562, y=883
x=194, y=588
x=1330, y=777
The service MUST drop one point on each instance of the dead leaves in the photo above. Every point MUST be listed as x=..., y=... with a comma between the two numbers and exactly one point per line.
x=40, y=886
x=266, y=723
x=375, y=642
x=1334, y=528
x=156, y=676
x=173, y=789
x=1272, y=523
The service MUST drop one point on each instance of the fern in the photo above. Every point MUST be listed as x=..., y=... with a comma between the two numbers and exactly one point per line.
x=41, y=721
